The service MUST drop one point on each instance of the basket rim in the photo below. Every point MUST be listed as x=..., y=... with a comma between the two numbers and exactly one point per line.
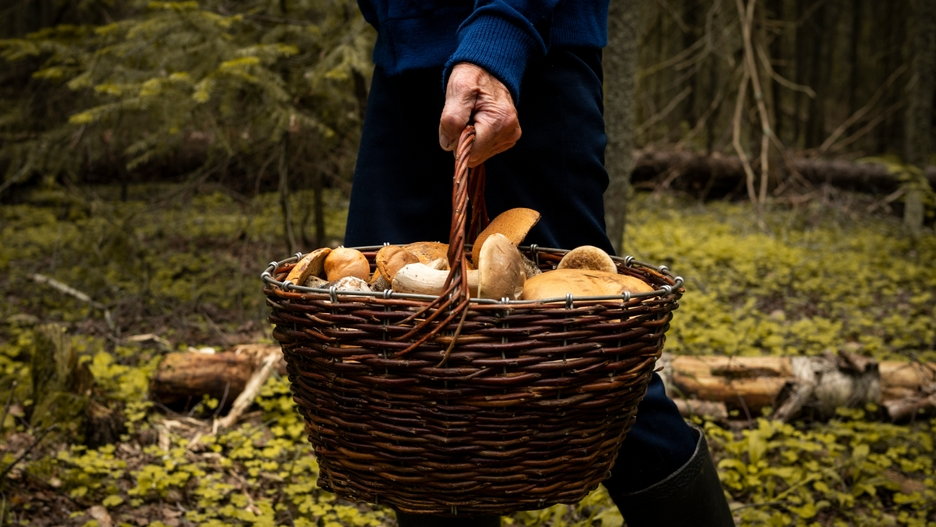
x=629, y=261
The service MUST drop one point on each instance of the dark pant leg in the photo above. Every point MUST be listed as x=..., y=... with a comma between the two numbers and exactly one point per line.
x=659, y=442
x=402, y=184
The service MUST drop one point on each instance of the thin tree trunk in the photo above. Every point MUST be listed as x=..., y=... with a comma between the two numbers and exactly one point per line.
x=894, y=27
x=817, y=76
x=620, y=61
x=289, y=236
x=776, y=52
x=318, y=205
x=918, y=134
x=803, y=58
x=855, y=65
x=691, y=16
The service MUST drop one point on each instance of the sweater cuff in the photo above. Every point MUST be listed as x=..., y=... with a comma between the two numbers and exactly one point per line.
x=497, y=45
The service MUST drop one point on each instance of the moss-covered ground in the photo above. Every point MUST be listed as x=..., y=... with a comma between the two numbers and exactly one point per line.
x=81, y=443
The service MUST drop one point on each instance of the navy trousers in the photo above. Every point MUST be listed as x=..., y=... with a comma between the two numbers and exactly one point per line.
x=402, y=193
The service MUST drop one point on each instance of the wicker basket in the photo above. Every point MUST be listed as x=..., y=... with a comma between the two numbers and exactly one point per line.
x=451, y=405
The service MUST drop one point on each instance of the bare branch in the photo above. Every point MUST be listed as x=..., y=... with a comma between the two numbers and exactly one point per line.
x=736, y=134
x=670, y=106
x=781, y=80
x=250, y=392
x=861, y=112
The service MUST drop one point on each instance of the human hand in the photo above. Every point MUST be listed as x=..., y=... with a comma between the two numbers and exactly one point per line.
x=473, y=94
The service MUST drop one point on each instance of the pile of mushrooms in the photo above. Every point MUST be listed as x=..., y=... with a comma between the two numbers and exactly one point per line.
x=497, y=268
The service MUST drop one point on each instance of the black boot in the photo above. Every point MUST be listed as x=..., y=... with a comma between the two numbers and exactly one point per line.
x=691, y=497
x=423, y=520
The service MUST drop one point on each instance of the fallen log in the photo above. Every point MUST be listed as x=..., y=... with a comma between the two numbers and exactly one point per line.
x=717, y=387
x=182, y=379
x=717, y=175
x=792, y=386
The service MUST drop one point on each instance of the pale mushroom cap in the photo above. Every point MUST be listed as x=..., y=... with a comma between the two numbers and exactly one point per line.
x=515, y=224
x=581, y=282
x=588, y=257
x=351, y=283
x=501, y=270
x=345, y=261
x=310, y=265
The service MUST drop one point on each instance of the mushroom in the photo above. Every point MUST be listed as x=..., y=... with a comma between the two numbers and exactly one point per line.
x=588, y=257
x=501, y=270
x=500, y=273
x=316, y=282
x=390, y=258
x=424, y=279
x=581, y=282
x=351, y=283
x=345, y=261
x=309, y=266
x=515, y=224
x=428, y=251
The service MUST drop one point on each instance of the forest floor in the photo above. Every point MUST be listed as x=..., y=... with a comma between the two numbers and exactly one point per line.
x=98, y=289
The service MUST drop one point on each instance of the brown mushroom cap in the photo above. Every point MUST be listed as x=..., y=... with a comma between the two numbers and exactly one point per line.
x=390, y=258
x=345, y=261
x=501, y=270
x=310, y=265
x=588, y=257
x=428, y=251
x=581, y=282
x=515, y=224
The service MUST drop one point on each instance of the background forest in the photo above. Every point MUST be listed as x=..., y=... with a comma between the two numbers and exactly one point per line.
x=154, y=156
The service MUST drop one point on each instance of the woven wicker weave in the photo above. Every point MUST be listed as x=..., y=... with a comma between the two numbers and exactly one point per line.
x=489, y=407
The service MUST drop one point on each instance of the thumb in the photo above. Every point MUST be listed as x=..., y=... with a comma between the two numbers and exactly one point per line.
x=455, y=117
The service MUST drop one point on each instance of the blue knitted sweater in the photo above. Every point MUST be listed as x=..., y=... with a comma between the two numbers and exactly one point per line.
x=502, y=36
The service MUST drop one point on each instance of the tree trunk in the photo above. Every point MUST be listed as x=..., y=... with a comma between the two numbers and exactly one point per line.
x=620, y=62
x=818, y=76
x=918, y=132
x=855, y=66
x=802, y=50
x=894, y=22
x=282, y=170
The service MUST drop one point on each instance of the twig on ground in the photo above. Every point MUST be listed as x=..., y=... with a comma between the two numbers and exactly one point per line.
x=75, y=293
x=7, y=405
x=22, y=456
x=250, y=392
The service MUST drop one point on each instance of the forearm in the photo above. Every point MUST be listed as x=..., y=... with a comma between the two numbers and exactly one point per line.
x=502, y=36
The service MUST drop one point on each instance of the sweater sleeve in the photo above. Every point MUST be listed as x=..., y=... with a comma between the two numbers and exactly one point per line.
x=502, y=36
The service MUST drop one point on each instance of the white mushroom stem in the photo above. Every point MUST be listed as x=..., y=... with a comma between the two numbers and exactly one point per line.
x=423, y=279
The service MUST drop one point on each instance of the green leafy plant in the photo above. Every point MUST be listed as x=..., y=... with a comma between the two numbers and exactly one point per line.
x=213, y=81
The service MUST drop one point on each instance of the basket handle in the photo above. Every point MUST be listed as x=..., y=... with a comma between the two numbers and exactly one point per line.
x=467, y=193
x=452, y=303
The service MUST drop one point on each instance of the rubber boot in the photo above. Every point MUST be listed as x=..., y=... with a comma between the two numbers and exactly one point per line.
x=423, y=520
x=691, y=497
